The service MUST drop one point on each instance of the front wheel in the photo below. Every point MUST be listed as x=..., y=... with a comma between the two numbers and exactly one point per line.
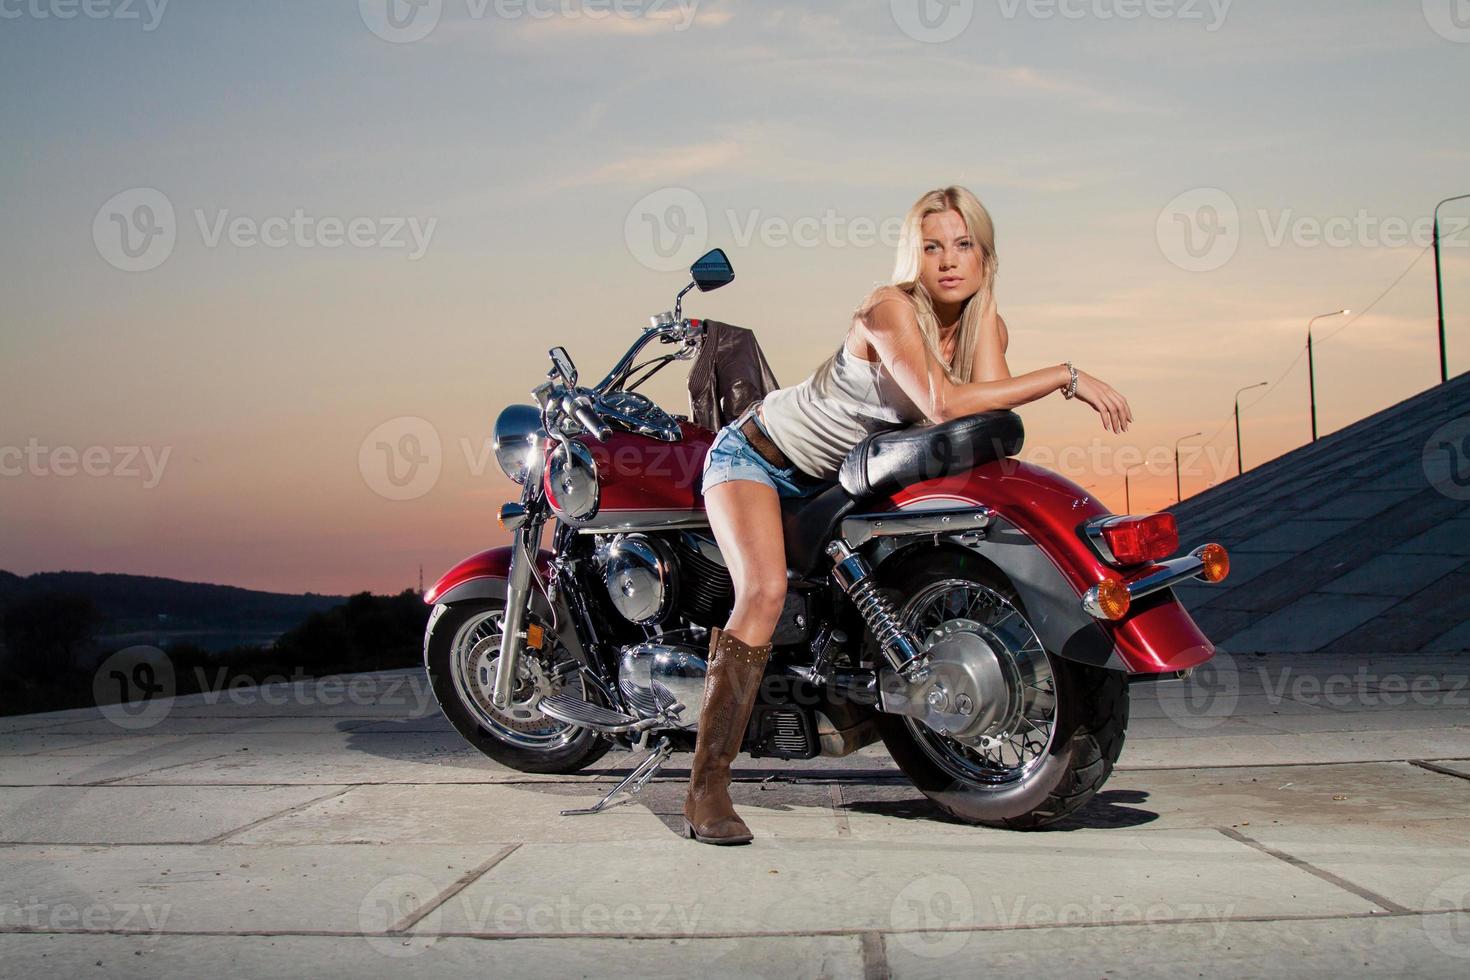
x=462, y=655
x=1054, y=728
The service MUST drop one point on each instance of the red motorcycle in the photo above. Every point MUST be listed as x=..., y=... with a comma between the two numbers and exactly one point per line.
x=982, y=616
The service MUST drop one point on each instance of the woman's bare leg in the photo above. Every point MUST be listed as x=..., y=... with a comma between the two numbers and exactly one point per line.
x=745, y=516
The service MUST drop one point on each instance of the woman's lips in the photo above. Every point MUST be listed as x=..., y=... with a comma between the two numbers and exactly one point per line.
x=951, y=282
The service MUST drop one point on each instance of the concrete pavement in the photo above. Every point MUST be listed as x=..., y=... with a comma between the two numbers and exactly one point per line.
x=1289, y=814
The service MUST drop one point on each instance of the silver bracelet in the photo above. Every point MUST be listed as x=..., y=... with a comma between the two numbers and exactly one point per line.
x=1070, y=391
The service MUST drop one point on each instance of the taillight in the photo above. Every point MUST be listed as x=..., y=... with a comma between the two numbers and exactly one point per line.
x=1134, y=540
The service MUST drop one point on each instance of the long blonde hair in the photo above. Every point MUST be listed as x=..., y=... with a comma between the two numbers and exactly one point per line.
x=910, y=260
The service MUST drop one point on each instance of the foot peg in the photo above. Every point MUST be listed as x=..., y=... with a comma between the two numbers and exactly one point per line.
x=575, y=711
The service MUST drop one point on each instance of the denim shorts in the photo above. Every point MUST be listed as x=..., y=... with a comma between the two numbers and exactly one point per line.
x=732, y=457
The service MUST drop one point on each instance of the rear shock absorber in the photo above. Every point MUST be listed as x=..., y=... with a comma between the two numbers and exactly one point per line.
x=854, y=576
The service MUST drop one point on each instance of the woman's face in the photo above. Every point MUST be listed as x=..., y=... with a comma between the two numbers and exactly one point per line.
x=952, y=260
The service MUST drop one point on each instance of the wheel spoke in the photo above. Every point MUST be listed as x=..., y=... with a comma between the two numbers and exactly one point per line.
x=1010, y=754
x=1035, y=727
x=474, y=661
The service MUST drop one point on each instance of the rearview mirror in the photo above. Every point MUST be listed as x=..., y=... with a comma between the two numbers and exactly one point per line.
x=564, y=365
x=712, y=270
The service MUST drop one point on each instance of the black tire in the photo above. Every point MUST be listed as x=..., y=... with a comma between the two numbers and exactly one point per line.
x=582, y=746
x=1091, y=719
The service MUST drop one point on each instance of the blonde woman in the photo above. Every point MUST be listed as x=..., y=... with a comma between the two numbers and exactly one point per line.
x=928, y=348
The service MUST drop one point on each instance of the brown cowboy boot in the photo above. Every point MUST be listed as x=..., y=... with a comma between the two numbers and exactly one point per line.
x=730, y=685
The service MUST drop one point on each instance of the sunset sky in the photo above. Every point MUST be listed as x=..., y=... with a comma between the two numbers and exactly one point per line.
x=242, y=237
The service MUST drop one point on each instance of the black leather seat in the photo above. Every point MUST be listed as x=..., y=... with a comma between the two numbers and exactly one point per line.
x=886, y=462
x=808, y=523
x=889, y=461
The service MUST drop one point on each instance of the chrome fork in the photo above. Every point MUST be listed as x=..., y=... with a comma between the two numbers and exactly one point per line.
x=524, y=547
x=517, y=598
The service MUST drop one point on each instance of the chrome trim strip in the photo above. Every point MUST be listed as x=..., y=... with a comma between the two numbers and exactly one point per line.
x=609, y=521
x=859, y=529
x=1094, y=528
x=1151, y=580
x=1090, y=606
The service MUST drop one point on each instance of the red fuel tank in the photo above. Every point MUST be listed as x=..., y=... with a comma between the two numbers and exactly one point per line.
x=641, y=478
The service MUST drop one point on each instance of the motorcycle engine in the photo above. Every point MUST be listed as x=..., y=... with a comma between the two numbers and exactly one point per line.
x=656, y=675
x=640, y=573
x=651, y=579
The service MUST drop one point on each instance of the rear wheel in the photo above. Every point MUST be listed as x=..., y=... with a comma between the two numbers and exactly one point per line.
x=462, y=655
x=1053, y=729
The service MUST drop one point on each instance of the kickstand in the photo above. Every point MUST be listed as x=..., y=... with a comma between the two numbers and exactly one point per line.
x=635, y=780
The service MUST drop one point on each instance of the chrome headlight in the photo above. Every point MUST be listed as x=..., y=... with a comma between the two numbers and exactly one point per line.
x=517, y=433
x=571, y=482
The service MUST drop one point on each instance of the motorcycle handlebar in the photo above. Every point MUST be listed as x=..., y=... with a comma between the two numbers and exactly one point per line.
x=587, y=417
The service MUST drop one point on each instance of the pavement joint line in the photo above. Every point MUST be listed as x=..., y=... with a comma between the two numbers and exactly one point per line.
x=884, y=777
x=839, y=931
x=95, y=843
x=42, y=726
x=668, y=818
x=101, y=740
x=1312, y=869
x=221, y=838
x=1422, y=764
x=261, y=717
x=1277, y=765
x=875, y=957
x=112, y=780
x=268, y=785
x=258, y=845
x=839, y=810
x=464, y=881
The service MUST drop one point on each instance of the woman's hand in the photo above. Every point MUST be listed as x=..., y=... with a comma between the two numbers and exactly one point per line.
x=1102, y=396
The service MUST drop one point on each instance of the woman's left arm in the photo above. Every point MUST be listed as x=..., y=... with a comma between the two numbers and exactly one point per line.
x=990, y=348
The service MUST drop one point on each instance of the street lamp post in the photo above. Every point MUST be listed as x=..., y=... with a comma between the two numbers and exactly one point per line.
x=1444, y=368
x=1239, y=465
x=1127, y=494
x=1178, y=484
x=1311, y=371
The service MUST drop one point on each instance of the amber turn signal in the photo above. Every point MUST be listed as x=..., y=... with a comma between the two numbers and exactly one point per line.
x=1216, y=561
x=1107, y=599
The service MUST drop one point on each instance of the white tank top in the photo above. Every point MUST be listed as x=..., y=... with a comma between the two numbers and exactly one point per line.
x=816, y=422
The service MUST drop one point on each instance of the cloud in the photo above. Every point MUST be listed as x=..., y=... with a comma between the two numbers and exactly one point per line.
x=664, y=165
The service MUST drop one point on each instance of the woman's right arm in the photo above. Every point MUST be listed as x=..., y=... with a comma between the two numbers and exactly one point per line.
x=892, y=327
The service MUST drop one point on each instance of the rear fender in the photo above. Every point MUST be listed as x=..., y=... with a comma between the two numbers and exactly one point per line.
x=1034, y=542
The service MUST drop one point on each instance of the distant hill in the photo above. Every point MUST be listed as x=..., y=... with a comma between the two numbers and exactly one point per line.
x=137, y=602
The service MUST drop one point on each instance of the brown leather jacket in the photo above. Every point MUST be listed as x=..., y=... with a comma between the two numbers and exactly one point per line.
x=728, y=374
